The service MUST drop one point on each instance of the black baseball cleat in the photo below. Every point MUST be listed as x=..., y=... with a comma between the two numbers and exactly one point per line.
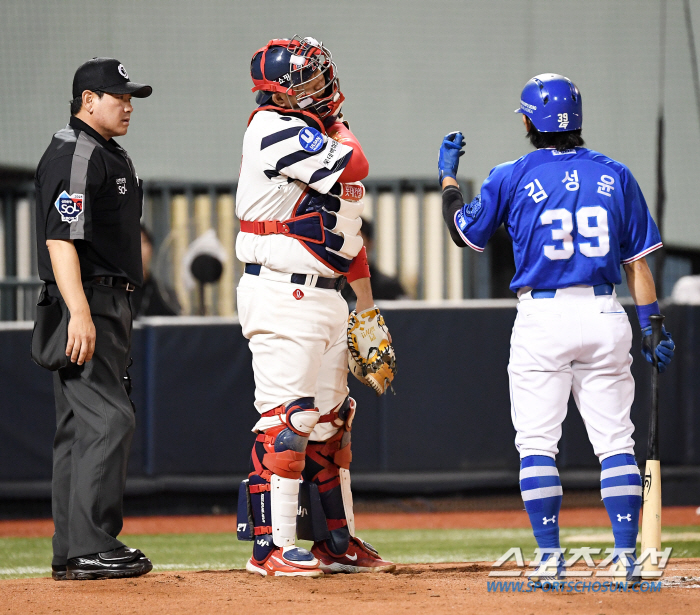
x=58, y=573
x=120, y=563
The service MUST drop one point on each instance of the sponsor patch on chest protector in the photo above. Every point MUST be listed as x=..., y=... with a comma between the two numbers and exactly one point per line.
x=69, y=206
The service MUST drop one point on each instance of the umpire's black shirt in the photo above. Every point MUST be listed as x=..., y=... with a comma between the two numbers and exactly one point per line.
x=87, y=190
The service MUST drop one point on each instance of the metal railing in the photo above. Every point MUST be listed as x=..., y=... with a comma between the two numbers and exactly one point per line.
x=18, y=269
x=411, y=242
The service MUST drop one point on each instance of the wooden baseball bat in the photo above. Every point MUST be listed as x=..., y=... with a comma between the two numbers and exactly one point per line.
x=651, y=518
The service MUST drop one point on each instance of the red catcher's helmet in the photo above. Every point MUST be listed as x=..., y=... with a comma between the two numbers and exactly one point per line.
x=285, y=66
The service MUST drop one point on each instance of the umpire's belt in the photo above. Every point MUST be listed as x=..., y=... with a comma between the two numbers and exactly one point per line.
x=549, y=293
x=114, y=282
x=296, y=278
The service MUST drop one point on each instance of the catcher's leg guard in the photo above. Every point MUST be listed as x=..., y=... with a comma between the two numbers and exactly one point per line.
x=311, y=520
x=245, y=525
x=278, y=459
x=327, y=466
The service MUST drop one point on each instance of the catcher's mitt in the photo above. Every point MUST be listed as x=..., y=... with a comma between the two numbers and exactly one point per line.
x=371, y=358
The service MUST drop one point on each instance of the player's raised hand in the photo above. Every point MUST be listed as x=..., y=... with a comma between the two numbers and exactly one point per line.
x=664, y=351
x=450, y=151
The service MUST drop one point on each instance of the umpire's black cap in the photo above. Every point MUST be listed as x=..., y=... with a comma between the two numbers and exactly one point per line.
x=107, y=75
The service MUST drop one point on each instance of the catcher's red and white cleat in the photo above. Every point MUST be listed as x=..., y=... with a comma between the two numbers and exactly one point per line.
x=286, y=562
x=360, y=557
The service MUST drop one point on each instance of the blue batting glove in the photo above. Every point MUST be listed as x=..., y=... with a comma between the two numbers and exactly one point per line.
x=450, y=151
x=664, y=351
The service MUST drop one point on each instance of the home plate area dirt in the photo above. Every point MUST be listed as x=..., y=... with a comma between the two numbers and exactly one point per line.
x=412, y=588
x=428, y=588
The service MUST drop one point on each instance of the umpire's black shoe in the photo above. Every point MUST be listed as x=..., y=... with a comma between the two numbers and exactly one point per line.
x=119, y=563
x=58, y=573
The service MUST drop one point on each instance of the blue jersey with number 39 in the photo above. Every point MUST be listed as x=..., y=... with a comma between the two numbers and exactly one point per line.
x=574, y=216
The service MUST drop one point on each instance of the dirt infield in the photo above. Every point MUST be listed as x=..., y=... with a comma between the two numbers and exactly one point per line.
x=214, y=524
x=430, y=588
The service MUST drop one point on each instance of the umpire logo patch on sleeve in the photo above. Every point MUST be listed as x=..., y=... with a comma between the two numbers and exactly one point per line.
x=311, y=139
x=70, y=206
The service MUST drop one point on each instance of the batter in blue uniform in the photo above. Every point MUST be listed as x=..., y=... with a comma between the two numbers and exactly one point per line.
x=574, y=216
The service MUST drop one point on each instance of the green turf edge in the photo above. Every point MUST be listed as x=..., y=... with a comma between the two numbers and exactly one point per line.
x=31, y=557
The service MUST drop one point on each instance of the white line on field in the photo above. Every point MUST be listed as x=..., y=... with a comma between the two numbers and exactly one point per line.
x=608, y=537
x=207, y=566
x=26, y=570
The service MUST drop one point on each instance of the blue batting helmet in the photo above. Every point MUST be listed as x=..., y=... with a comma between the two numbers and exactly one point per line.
x=552, y=103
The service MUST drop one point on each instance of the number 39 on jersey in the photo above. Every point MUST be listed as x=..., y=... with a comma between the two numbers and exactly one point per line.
x=591, y=221
x=574, y=216
x=584, y=217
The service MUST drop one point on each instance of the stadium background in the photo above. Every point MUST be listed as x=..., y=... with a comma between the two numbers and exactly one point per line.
x=411, y=71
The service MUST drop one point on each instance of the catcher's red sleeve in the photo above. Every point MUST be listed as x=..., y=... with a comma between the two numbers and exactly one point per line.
x=359, y=268
x=358, y=167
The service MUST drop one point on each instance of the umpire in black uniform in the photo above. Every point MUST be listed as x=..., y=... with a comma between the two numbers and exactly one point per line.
x=88, y=203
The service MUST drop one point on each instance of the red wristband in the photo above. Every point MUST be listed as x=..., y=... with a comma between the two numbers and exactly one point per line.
x=359, y=268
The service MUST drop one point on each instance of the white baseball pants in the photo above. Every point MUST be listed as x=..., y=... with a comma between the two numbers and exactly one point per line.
x=299, y=346
x=575, y=342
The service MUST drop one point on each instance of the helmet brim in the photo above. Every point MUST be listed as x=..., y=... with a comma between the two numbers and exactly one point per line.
x=262, y=97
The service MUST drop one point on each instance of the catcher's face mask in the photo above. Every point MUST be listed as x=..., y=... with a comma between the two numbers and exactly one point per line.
x=301, y=68
x=315, y=83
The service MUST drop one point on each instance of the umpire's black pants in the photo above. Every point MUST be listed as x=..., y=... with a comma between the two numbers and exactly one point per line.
x=94, y=427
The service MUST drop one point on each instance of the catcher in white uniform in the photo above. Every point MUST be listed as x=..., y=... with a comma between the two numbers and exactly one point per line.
x=299, y=206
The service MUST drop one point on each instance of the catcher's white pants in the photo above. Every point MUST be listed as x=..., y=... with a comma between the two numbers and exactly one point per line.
x=299, y=346
x=573, y=342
